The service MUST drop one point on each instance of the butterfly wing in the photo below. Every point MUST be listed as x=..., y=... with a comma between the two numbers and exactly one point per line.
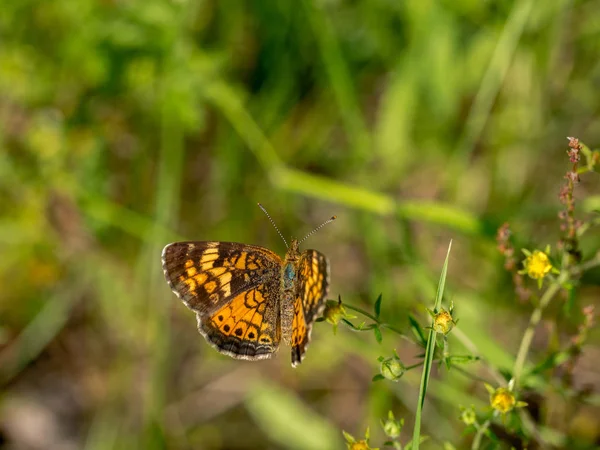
x=311, y=292
x=234, y=290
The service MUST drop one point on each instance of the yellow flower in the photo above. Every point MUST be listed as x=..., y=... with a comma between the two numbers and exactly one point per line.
x=537, y=264
x=503, y=399
x=334, y=312
x=443, y=322
x=360, y=445
x=353, y=444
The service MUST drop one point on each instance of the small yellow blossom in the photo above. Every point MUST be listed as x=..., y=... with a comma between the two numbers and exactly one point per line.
x=353, y=444
x=334, y=312
x=443, y=322
x=503, y=399
x=360, y=445
x=537, y=264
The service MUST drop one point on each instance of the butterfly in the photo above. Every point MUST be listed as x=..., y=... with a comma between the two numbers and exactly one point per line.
x=246, y=298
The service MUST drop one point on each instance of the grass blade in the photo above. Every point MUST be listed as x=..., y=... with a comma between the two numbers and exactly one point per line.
x=429, y=357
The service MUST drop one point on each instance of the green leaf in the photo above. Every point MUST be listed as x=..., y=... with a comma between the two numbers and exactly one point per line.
x=463, y=359
x=429, y=351
x=377, y=306
x=378, y=336
x=378, y=377
x=417, y=330
x=350, y=324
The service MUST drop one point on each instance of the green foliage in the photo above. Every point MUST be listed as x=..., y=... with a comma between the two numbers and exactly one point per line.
x=429, y=353
x=125, y=125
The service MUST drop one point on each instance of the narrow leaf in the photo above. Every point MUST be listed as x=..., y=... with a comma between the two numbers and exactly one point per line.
x=377, y=307
x=417, y=330
x=378, y=336
x=430, y=349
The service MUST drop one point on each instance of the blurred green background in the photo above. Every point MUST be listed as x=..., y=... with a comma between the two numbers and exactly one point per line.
x=125, y=125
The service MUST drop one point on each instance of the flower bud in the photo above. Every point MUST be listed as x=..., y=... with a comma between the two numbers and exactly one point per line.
x=468, y=416
x=392, y=427
x=443, y=322
x=392, y=369
x=334, y=312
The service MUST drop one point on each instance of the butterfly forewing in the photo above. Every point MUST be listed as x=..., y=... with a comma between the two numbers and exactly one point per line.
x=207, y=275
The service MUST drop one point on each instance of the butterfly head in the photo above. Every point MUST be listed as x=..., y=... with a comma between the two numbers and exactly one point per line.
x=293, y=251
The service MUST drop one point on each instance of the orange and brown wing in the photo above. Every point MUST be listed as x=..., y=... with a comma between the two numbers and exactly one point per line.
x=311, y=293
x=236, y=282
x=208, y=275
x=247, y=327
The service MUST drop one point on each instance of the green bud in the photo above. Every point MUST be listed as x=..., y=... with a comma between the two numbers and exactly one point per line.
x=392, y=369
x=468, y=416
x=392, y=427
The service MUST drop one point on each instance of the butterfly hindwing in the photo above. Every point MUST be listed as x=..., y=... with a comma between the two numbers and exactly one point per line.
x=248, y=326
x=311, y=292
x=234, y=290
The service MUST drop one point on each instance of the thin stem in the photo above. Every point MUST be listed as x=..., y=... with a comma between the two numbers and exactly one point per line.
x=472, y=347
x=414, y=366
x=381, y=324
x=533, y=321
x=537, y=313
x=362, y=311
x=469, y=375
x=395, y=330
x=594, y=262
x=481, y=429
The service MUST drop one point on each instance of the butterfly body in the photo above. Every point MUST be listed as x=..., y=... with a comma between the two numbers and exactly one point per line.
x=246, y=298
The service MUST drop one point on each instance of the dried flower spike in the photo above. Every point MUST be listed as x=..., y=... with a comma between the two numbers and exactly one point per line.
x=510, y=262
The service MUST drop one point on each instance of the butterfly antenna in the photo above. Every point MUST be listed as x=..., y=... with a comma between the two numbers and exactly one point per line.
x=273, y=223
x=318, y=228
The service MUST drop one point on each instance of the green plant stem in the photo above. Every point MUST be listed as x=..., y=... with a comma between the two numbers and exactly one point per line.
x=472, y=347
x=361, y=311
x=481, y=429
x=590, y=264
x=533, y=321
x=537, y=314
x=414, y=366
x=381, y=324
